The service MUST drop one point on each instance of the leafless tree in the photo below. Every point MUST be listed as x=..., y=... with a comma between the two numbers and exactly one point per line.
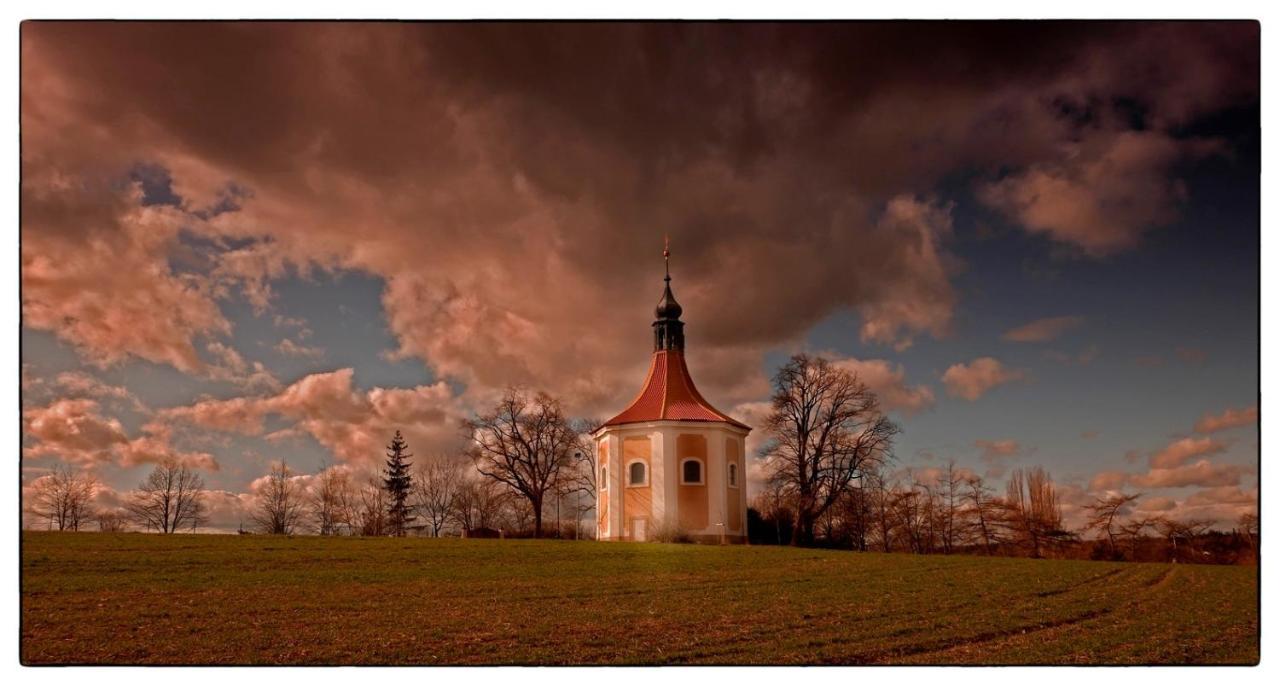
x=1134, y=531
x=825, y=430
x=434, y=490
x=171, y=498
x=1181, y=535
x=524, y=442
x=279, y=502
x=1031, y=510
x=1103, y=515
x=112, y=521
x=982, y=508
x=949, y=502
x=331, y=502
x=370, y=509
x=63, y=498
x=881, y=506
x=1248, y=525
x=478, y=504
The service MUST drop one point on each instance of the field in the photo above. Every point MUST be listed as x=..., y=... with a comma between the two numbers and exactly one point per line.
x=184, y=599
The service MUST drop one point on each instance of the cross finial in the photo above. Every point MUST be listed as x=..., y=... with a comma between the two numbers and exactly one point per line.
x=666, y=254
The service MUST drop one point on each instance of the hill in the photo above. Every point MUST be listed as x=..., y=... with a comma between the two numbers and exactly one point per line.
x=201, y=599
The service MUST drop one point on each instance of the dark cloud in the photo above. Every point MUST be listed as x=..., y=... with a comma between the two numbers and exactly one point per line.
x=511, y=182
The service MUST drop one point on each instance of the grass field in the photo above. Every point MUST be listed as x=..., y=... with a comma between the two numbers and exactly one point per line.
x=133, y=598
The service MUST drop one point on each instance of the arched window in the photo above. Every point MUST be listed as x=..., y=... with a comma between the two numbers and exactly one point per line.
x=733, y=474
x=604, y=478
x=636, y=475
x=691, y=471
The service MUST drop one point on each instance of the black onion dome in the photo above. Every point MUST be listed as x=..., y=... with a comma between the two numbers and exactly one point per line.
x=668, y=308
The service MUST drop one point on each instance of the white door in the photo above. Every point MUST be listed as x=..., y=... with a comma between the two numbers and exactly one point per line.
x=637, y=529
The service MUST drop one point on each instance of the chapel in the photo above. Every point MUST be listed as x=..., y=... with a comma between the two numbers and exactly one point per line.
x=670, y=464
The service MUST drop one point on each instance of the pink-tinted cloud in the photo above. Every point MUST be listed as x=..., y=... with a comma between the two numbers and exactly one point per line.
x=1201, y=473
x=1042, y=330
x=1182, y=450
x=998, y=454
x=973, y=379
x=74, y=431
x=1108, y=481
x=1230, y=418
x=289, y=348
x=888, y=382
x=510, y=210
x=352, y=424
x=1103, y=193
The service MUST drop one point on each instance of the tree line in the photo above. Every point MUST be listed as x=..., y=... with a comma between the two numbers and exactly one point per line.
x=525, y=457
x=830, y=481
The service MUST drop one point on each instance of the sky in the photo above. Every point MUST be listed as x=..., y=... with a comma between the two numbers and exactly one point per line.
x=1038, y=242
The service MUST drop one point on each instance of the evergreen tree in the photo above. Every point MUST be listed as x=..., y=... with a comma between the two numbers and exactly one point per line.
x=397, y=481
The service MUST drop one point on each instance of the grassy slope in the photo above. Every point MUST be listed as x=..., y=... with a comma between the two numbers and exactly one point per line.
x=132, y=598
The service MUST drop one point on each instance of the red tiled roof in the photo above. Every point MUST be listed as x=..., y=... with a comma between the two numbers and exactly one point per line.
x=669, y=394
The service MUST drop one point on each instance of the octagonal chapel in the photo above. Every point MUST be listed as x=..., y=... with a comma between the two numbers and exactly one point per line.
x=670, y=464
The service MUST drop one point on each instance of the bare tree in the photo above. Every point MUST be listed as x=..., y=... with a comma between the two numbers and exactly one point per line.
x=171, y=498
x=63, y=498
x=478, y=504
x=1134, y=531
x=1248, y=524
x=330, y=502
x=435, y=489
x=1031, y=509
x=881, y=507
x=370, y=509
x=1103, y=514
x=524, y=442
x=112, y=521
x=1181, y=535
x=949, y=501
x=983, y=510
x=825, y=430
x=278, y=506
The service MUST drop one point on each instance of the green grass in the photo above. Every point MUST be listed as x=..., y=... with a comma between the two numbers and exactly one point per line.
x=133, y=598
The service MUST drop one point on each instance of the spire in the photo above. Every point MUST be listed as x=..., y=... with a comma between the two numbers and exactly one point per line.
x=668, y=330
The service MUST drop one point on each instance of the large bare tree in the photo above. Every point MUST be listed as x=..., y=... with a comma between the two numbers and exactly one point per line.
x=825, y=430
x=524, y=442
x=435, y=488
x=63, y=498
x=171, y=498
x=278, y=504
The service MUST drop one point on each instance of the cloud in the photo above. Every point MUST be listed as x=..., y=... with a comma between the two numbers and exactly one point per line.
x=352, y=424
x=288, y=348
x=888, y=382
x=1103, y=193
x=1230, y=418
x=972, y=380
x=1181, y=450
x=998, y=454
x=1082, y=358
x=510, y=209
x=1042, y=330
x=1200, y=473
x=1108, y=481
x=73, y=430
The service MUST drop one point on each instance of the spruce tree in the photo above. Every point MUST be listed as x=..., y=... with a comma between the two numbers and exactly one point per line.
x=396, y=481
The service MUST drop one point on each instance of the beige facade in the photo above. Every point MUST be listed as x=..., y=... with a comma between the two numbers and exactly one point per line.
x=663, y=479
